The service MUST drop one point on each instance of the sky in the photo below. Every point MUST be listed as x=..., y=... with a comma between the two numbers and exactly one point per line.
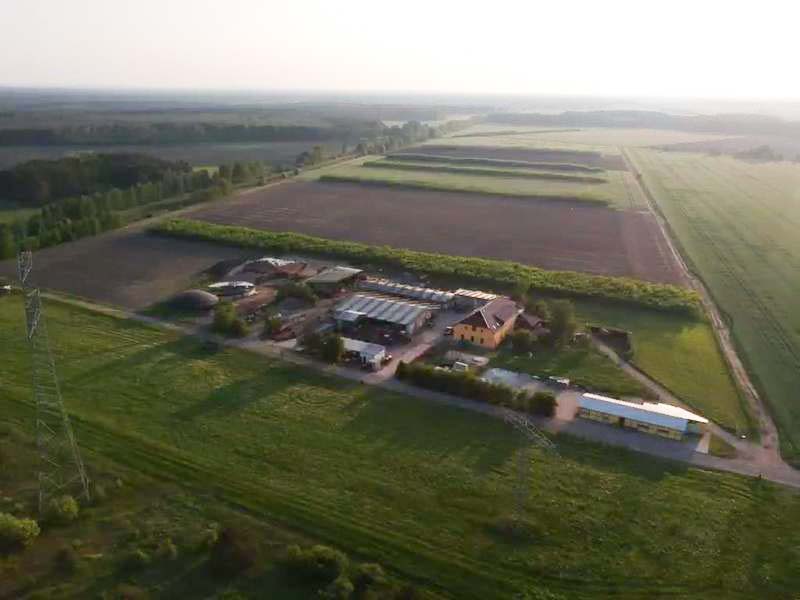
x=699, y=48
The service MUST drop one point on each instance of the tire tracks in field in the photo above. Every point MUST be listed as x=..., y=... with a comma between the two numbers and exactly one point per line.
x=770, y=441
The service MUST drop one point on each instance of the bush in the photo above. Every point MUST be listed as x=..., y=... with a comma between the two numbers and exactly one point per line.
x=16, y=532
x=318, y=563
x=137, y=560
x=522, y=341
x=226, y=322
x=339, y=589
x=235, y=551
x=167, y=550
x=301, y=291
x=479, y=271
x=67, y=561
x=332, y=348
x=459, y=384
x=63, y=509
x=543, y=404
x=368, y=575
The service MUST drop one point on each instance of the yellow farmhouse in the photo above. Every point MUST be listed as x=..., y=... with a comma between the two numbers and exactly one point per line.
x=488, y=326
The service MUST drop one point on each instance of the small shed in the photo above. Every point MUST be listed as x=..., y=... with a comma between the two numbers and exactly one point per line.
x=371, y=355
x=332, y=279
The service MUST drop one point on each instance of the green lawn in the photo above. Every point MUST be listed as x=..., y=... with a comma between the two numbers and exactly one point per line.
x=611, y=192
x=738, y=224
x=682, y=354
x=415, y=486
x=583, y=365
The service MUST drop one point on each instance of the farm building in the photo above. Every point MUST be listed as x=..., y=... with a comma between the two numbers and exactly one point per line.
x=405, y=315
x=386, y=286
x=330, y=280
x=275, y=267
x=197, y=300
x=532, y=323
x=661, y=419
x=371, y=355
x=489, y=325
x=232, y=289
x=466, y=299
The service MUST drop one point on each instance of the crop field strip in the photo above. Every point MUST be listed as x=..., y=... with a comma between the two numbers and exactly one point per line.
x=476, y=161
x=551, y=235
x=445, y=167
x=371, y=473
x=739, y=230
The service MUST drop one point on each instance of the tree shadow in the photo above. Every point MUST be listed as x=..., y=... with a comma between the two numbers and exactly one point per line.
x=233, y=397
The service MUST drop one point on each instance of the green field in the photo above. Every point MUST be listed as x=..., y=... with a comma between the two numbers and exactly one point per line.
x=461, y=169
x=737, y=223
x=611, y=192
x=601, y=139
x=584, y=366
x=682, y=354
x=9, y=214
x=418, y=487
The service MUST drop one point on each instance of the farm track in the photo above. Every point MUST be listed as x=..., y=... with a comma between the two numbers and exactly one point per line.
x=767, y=428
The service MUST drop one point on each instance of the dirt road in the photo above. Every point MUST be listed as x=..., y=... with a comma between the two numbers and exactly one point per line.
x=766, y=426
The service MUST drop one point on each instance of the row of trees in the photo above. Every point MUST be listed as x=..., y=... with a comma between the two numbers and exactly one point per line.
x=466, y=384
x=478, y=271
x=73, y=218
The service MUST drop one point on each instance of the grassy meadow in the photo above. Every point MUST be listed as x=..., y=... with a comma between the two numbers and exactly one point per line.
x=421, y=488
x=680, y=353
x=737, y=223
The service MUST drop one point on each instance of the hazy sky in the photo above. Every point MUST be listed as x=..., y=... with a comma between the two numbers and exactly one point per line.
x=700, y=48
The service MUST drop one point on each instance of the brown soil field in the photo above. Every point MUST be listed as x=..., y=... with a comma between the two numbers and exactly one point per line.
x=127, y=268
x=578, y=157
x=552, y=235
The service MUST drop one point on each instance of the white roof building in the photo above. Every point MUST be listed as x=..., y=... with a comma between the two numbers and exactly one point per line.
x=651, y=413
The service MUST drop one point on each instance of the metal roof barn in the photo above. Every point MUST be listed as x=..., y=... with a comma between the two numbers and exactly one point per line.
x=475, y=295
x=380, y=308
x=387, y=286
x=658, y=414
x=334, y=275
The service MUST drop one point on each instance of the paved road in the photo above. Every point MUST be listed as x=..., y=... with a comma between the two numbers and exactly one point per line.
x=640, y=442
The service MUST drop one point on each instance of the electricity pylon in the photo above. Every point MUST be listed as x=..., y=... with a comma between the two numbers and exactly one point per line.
x=60, y=466
x=533, y=439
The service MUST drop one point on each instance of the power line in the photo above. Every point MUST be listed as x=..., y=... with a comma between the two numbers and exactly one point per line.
x=533, y=438
x=60, y=465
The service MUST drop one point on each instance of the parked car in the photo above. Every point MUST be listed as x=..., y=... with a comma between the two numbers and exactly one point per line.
x=448, y=331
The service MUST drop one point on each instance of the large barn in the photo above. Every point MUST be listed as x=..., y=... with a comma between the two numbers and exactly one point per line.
x=406, y=316
x=661, y=419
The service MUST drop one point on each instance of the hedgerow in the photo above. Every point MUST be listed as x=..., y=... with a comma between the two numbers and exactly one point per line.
x=475, y=271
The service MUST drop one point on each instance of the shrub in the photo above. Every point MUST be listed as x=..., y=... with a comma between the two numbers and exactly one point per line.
x=137, y=560
x=235, y=551
x=301, y=291
x=522, y=341
x=332, y=348
x=67, y=560
x=543, y=404
x=460, y=384
x=226, y=322
x=318, y=563
x=167, y=550
x=340, y=588
x=63, y=509
x=16, y=532
x=368, y=575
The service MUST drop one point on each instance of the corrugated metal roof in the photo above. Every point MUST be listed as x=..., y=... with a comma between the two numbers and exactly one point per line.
x=230, y=284
x=390, y=310
x=408, y=291
x=659, y=414
x=275, y=262
x=334, y=275
x=475, y=294
x=371, y=351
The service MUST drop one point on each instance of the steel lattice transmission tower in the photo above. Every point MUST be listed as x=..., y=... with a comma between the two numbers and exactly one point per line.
x=60, y=466
x=534, y=438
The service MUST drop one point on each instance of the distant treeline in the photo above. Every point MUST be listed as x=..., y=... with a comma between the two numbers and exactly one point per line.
x=181, y=133
x=69, y=219
x=37, y=182
x=478, y=271
x=733, y=124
